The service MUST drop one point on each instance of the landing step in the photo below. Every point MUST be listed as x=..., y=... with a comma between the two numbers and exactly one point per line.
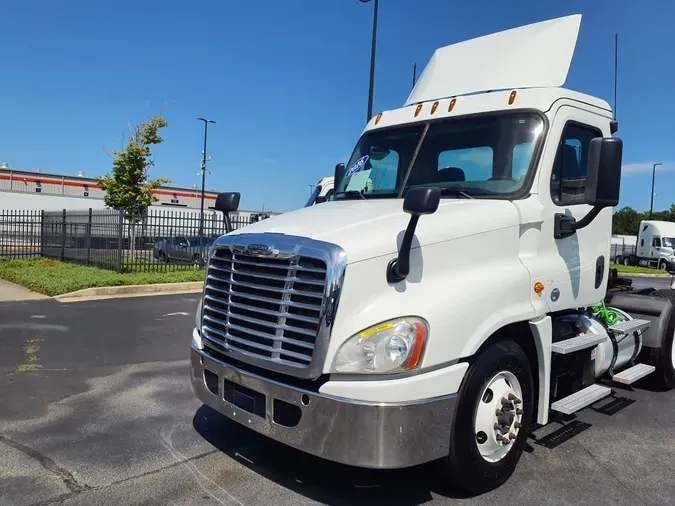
x=632, y=374
x=630, y=326
x=577, y=343
x=581, y=399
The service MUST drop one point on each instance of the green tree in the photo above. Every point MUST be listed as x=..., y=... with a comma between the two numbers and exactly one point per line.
x=626, y=221
x=129, y=186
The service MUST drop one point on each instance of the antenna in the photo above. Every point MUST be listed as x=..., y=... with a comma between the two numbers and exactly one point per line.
x=616, y=68
x=414, y=74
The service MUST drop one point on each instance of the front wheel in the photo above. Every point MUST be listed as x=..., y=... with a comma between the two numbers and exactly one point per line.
x=491, y=422
x=663, y=265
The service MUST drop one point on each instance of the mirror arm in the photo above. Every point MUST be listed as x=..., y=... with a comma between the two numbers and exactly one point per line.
x=566, y=225
x=399, y=268
x=228, y=223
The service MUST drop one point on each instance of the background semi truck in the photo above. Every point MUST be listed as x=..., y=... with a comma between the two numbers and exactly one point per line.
x=655, y=246
x=323, y=191
x=455, y=292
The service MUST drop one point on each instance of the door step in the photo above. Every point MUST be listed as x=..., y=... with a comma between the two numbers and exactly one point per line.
x=630, y=326
x=632, y=374
x=577, y=343
x=581, y=399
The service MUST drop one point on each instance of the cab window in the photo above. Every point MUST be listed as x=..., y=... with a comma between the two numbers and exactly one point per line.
x=568, y=178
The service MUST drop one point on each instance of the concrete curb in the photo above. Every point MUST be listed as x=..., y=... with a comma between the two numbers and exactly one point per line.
x=111, y=292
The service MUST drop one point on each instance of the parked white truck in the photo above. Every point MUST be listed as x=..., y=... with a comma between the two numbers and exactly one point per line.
x=655, y=246
x=452, y=294
x=323, y=191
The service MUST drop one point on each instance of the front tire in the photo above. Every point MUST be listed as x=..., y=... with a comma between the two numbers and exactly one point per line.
x=495, y=403
x=663, y=265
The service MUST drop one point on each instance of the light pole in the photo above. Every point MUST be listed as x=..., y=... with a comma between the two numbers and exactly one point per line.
x=201, y=215
x=651, y=204
x=372, y=59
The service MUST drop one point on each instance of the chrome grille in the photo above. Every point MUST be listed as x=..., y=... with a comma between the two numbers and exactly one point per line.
x=263, y=307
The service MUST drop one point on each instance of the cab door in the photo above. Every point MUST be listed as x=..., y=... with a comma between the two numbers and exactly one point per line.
x=576, y=266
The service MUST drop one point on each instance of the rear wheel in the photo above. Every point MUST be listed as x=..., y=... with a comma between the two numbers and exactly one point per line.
x=618, y=259
x=493, y=413
x=626, y=261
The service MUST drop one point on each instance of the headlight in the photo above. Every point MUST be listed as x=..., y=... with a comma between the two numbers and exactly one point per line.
x=392, y=346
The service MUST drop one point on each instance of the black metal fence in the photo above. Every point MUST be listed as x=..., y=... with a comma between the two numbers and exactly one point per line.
x=160, y=241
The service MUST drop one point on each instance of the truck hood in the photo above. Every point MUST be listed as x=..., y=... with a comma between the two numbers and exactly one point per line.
x=372, y=228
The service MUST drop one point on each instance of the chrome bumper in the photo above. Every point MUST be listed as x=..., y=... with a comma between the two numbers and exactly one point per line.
x=356, y=433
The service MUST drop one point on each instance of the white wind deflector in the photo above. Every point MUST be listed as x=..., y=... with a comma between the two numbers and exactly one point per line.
x=531, y=56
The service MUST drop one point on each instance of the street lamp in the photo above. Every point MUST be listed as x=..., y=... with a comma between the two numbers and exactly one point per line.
x=201, y=215
x=651, y=204
x=372, y=59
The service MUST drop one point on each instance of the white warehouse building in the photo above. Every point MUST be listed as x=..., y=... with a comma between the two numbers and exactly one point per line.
x=35, y=190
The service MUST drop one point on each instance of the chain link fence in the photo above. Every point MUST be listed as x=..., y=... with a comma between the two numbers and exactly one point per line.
x=161, y=240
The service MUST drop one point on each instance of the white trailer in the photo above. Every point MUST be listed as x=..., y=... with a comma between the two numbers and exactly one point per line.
x=452, y=293
x=655, y=246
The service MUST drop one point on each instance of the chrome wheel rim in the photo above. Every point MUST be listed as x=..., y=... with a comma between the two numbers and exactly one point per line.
x=499, y=416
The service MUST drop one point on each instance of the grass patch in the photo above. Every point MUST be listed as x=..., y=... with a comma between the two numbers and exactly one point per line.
x=634, y=270
x=28, y=367
x=52, y=277
x=32, y=363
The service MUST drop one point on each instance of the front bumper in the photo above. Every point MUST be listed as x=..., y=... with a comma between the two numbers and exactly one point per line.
x=357, y=433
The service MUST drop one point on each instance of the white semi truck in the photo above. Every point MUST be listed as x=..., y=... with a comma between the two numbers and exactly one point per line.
x=655, y=246
x=323, y=191
x=457, y=289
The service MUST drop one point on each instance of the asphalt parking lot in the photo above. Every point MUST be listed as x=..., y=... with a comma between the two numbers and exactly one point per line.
x=109, y=418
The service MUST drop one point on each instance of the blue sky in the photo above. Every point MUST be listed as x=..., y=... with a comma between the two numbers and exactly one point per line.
x=287, y=82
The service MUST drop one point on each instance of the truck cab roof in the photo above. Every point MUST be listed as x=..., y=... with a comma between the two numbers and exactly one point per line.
x=520, y=68
x=539, y=99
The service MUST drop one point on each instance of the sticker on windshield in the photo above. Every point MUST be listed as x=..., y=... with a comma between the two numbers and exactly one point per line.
x=358, y=164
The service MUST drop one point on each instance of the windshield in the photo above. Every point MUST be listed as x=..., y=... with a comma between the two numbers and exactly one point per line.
x=482, y=156
x=313, y=196
x=669, y=242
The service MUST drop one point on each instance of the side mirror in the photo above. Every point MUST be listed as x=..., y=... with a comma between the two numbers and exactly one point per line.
x=320, y=200
x=339, y=175
x=228, y=202
x=603, y=177
x=417, y=202
x=603, y=182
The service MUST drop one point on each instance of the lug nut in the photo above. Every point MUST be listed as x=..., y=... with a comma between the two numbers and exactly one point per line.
x=505, y=402
x=517, y=425
x=512, y=435
x=519, y=411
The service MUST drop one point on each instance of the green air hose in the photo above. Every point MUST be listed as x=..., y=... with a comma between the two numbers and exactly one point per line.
x=607, y=316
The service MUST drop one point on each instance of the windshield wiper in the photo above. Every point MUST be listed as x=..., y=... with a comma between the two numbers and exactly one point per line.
x=353, y=194
x=456, y=192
